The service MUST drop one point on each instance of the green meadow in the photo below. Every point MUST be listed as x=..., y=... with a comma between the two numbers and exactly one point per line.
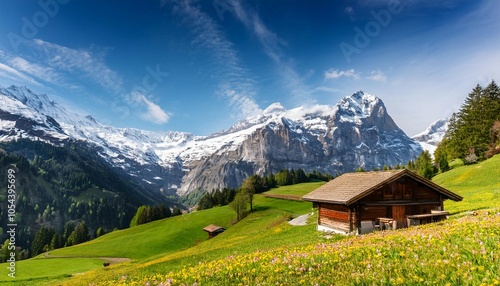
x=264, y=249
x=478, y=184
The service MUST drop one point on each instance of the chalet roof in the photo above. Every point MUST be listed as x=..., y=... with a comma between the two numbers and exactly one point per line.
x=213, y=228
x=351, y=187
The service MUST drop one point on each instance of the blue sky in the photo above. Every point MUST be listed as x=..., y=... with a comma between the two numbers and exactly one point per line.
x=200, y=66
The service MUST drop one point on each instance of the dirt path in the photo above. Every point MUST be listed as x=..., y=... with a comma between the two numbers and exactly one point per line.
x=112, y=260
x=283, y=197
x=300, y=220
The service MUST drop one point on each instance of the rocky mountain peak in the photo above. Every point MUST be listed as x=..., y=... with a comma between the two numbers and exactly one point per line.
x=356, y=132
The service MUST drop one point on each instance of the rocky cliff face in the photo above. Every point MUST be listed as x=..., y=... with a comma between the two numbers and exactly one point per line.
x=356, y=132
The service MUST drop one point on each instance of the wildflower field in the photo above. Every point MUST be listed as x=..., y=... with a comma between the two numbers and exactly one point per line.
x=463, y=251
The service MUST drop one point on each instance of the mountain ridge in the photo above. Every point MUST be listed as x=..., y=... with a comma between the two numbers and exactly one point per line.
x=432, y=135
x=356, y=132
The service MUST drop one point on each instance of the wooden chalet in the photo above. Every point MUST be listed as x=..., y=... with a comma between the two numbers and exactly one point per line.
x=213, y=230
x=363, y=201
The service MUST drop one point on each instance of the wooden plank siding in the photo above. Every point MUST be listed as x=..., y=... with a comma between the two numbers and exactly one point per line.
x=397, y=200
x=336, y=217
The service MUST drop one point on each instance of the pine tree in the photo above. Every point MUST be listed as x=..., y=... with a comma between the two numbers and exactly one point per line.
x=271, y=180
x=79, y=235
x=470, y=127
x=42, y=241
x=424, y=166
x=176, y=211
x=205, y=202
x=100, y=232
x=4, y=251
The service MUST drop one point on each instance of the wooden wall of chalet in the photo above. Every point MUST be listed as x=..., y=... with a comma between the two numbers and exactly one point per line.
x=402, y=190
x=335, y=216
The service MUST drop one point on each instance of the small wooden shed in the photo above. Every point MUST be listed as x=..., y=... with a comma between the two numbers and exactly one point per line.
x=363, y=201
x=213, y=230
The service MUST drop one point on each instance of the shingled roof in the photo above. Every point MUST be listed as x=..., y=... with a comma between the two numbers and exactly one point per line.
x=213, y=228
x=351, y=187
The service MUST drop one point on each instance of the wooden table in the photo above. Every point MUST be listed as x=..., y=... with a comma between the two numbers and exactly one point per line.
x=387, y=223
x=426, y=218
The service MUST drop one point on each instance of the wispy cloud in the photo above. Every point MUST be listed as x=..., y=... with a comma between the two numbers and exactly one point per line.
x=235, y=83
x=335, y=74
x=80, y=62
x=14, y=75
x=42, y=72
x=59, y=65
x=377, y=75
x=273, y=47
x=153, y=113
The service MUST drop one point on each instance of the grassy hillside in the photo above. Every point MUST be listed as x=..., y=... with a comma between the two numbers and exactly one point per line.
x=296, y=190
x=167, y=238
x=411, y=257
x=479, y=184
x=463, y=251
x=263, y=248
x=148, y=240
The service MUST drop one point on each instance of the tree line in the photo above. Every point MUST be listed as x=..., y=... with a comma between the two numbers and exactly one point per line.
x=474, y=131
x=258, y=184
x=145, y=214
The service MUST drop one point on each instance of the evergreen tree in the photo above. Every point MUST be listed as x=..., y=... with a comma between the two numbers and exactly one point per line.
x=271, y=181
x=138, y=217
x=42, y=241
x=4, y=251
x=176, y=211
x=411, y=165
x=100, y=232
x=68, y=229
x=443, y=163
x=469, y=128
x=79, y=235
x=301, y=176
x=205, y=202
x=424, y=166
x=56, y=242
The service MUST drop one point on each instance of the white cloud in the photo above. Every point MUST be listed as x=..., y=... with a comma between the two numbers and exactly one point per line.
x=377, y=76
x=325, y=89
x=153, y=113
x=335, y=73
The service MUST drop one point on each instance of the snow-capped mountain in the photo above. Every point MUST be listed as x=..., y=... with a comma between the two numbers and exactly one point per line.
x=430, y=137
x=356, y=132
